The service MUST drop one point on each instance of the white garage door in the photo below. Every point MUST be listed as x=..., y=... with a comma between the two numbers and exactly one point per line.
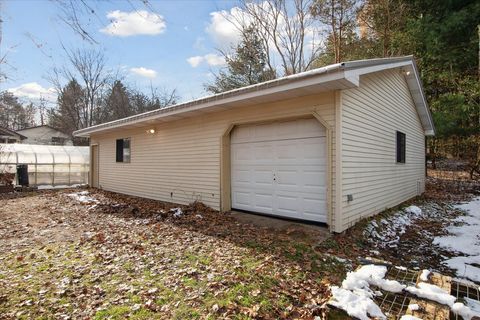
x=280, y=169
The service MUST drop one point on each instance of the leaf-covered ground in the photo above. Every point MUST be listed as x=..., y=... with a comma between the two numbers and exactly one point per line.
x=109, y=256
x=100, y=255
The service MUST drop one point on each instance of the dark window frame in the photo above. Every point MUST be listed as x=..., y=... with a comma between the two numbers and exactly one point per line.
x=401, y=147
x=123, y=150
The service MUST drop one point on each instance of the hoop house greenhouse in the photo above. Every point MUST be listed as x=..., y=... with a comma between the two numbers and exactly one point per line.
x=47, y=165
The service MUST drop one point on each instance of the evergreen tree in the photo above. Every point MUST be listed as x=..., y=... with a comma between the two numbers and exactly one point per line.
x=118, y=102
x=247, y=65
x=13, y=114
x=70, y=114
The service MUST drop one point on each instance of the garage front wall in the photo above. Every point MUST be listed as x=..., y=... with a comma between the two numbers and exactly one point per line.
x=370, y=117
x=185, y=159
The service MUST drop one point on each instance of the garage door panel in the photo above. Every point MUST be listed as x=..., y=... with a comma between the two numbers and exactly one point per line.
x=241, y=176
x=284, y=172
x=241, y=153
x=288, y=205
x=314, y=179
x=262, y=152
x=313, y=149
x=314, y=209
x=286, y=150
x=241, y=198
x=263, y=200
x=262, y=178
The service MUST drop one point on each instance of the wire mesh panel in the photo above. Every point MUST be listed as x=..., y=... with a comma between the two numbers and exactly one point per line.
x=463, y=292
x=402, y=275
x=394, y=305
x=47, y=165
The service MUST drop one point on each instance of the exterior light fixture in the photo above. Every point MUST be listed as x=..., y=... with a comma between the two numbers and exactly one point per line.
x=151, y=131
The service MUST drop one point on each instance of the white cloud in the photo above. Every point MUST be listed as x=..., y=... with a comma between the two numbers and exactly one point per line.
x=34, y=91
x=222, y=28
x=225, y=25
x=211, y=59
x=144, y=72
x=124, y=24
x=195, y=61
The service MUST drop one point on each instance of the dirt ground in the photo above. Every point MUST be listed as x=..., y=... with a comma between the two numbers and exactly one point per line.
x=89, y=254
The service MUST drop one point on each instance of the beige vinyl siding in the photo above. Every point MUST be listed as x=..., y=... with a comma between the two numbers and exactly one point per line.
x=181, y=162
x=371, y=115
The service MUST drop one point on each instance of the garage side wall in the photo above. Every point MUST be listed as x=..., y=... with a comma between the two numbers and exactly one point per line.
x=181, y=162
x=371, y=115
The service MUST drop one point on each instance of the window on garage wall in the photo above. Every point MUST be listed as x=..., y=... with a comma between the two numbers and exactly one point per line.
x=401, y=147
x=123, y=150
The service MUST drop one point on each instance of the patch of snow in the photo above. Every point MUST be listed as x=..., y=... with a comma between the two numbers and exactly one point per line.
x=59, y=186
x=356, y=297
x=413, y=307
x=465, y=282
x=370, y=275
x=177, y=212
x=432, y=292
x=82, y=197
x=356, y=304
x=424, y=275
x=388, y=233
x=466, y=267
x=473, y=304
x=464, y=238
x=464, y=311
x=409, y=317
x=199, y=216
x=414, y=210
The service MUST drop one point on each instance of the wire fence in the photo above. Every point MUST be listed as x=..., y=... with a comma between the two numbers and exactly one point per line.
x=47, y=165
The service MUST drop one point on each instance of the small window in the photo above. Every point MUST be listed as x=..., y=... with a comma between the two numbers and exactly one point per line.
x=58, y=141
x=123, y=150
x=401, y=147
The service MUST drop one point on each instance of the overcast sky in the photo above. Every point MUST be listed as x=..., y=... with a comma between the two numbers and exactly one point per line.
x=173, y=47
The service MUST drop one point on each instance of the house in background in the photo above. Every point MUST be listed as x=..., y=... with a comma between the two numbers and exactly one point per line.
x=45, y=135
x=9, y=136
x=332, y=145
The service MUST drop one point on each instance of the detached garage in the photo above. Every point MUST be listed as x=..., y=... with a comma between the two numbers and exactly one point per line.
x=330, y=145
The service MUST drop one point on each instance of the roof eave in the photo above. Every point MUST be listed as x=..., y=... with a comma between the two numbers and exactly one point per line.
x=291, y=83
x=347, y=74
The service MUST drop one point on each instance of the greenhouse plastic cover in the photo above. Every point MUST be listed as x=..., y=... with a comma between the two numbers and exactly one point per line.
x=47, y=165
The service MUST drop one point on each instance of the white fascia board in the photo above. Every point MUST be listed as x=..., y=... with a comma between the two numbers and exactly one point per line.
x=414, y=85
x=298, y=84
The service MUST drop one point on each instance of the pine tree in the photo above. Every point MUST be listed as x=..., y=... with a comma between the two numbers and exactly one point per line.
x=71, y=113
x=247, y=65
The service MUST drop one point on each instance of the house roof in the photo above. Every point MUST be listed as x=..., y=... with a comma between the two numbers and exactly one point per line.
x=337, y=76
x=39, y=126
x=7, y=132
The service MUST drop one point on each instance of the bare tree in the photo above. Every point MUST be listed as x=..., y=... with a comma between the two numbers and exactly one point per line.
x=381, y=19
x=339, y=16
x=287, y=30
x=88, y=67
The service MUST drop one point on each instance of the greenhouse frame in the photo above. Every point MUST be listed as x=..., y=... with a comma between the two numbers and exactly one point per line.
x=53, y=166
